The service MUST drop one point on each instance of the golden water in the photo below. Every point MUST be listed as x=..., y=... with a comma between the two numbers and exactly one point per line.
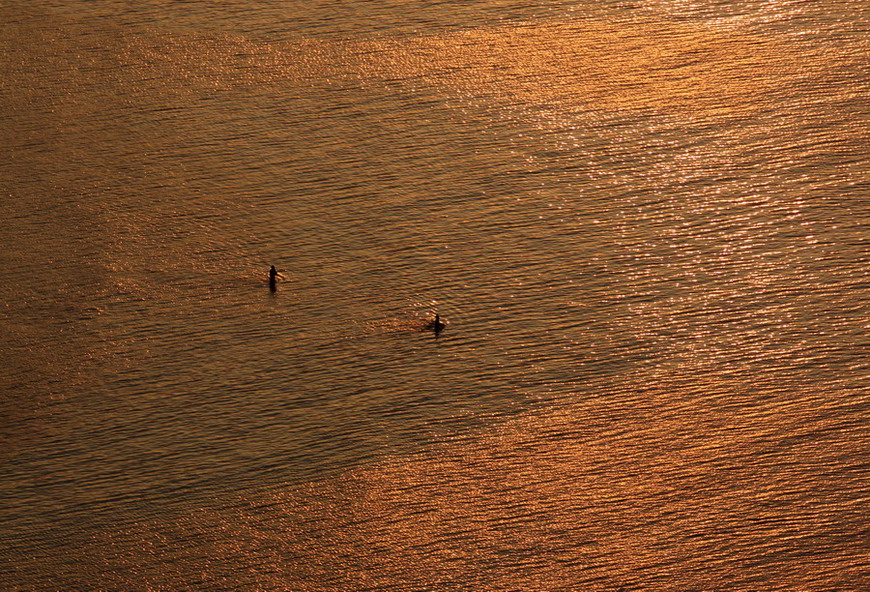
x=645, y=223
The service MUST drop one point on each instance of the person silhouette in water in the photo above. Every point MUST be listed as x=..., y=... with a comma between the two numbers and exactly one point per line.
x=273, y=276
x=436, y=325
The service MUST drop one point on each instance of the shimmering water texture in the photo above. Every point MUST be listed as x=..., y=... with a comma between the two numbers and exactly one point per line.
x=645, y=224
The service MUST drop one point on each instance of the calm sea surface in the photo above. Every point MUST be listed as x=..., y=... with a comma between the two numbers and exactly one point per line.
x=647, y=225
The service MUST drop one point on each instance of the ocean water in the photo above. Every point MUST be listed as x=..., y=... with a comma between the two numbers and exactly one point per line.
x=646, y=224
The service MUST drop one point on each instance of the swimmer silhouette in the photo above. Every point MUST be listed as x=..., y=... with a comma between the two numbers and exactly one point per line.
x=436, y=325
x=273, y=274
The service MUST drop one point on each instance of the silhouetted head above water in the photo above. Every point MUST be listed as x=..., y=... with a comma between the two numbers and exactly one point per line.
x=435, y=325
x=273, y=275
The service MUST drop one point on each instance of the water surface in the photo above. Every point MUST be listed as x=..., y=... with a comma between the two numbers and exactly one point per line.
x=645, y=223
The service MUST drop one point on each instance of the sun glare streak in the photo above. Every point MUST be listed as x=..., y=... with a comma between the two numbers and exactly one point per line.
x=579, y=494
x=553, y=69
x=719, y=251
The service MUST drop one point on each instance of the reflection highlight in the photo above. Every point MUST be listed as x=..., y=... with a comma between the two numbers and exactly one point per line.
x=665, y=482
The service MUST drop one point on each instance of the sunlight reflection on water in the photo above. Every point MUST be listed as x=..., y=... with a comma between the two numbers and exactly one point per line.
x=646, y=228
